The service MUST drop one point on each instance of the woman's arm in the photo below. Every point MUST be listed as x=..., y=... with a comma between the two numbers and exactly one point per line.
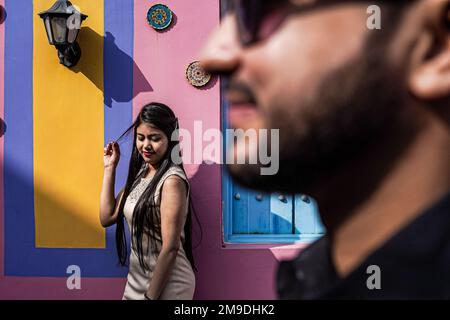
x=173, y=210
x=108, y=203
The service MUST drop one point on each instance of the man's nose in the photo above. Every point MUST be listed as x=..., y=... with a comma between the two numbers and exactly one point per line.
x=222, y=52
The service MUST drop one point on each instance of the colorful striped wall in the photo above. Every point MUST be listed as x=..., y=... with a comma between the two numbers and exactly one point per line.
x=57, y=121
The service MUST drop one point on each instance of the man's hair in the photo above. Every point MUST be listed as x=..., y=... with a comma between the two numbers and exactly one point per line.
x=393, y=12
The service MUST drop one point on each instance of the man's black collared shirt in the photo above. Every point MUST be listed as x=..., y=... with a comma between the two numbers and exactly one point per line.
x=413, y=264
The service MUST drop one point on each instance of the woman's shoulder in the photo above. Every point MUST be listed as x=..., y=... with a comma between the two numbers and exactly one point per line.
x=175, y=169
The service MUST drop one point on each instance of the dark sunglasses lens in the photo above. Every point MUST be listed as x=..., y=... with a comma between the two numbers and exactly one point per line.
x=249, y=14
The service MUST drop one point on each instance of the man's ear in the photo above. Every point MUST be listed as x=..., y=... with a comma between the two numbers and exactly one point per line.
x=430, y=75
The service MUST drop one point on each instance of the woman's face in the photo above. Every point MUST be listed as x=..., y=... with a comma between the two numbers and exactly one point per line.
x=151, y=143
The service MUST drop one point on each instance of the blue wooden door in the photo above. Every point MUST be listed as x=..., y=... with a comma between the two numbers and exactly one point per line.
x=262, y=217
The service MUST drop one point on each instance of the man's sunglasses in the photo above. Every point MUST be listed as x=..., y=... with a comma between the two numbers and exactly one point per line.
x=251, y=13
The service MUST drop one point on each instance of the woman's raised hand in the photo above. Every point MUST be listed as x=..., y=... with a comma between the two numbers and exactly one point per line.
x=111, y=155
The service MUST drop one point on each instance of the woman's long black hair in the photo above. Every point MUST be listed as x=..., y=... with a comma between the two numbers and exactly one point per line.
x=146, y=221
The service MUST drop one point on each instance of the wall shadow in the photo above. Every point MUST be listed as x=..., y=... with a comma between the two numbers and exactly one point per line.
x=202, y=190
x=121, y=79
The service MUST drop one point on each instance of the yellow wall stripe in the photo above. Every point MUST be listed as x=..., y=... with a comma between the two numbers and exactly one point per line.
x=68, y=135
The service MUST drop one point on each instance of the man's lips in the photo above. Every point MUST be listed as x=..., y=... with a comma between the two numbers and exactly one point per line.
x=243, y=109
x=242, y=115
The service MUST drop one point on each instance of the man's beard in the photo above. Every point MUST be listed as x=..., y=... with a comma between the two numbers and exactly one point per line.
x=356, y=107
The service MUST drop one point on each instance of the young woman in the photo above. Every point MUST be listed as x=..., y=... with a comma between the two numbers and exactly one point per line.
x=155, y=203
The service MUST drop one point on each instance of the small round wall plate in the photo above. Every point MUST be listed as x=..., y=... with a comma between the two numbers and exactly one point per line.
x=196, y=75
x=159, y=16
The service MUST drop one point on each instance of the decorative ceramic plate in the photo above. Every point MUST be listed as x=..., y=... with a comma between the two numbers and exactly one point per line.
x=159, y=16
x=196, y=75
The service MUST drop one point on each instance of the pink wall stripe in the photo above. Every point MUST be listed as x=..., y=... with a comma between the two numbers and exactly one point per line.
x=162, y=57
x=2, y=117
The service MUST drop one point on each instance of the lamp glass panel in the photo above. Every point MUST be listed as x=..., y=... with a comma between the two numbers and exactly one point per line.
x=59, y=28
x=72, y=35
x=48, y=29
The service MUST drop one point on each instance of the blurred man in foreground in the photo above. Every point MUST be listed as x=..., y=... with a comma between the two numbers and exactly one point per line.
x=364, y=119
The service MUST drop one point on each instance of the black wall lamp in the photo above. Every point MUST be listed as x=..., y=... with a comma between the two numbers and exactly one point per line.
x=62, y=23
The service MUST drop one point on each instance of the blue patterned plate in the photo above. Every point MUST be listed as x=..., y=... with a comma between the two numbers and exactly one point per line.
x=159, y=16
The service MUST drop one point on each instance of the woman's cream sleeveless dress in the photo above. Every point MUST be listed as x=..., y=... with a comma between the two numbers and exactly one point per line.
x=181, y=281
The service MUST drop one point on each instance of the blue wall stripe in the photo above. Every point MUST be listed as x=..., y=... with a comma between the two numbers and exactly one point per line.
x=118, y=81
x=18, y=163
